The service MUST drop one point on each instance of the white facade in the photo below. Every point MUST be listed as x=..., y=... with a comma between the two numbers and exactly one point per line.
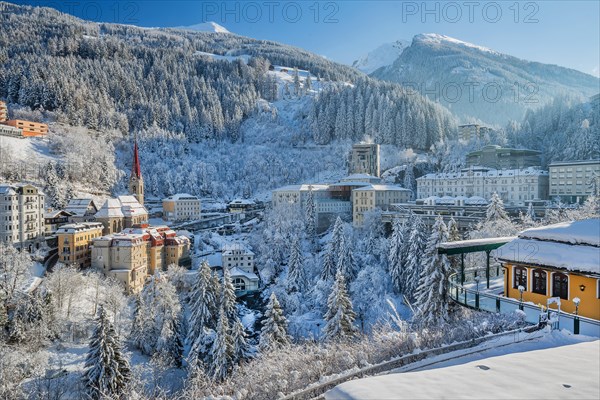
x=513, y=186
x=21, y=214
x=181, y=207
x=296, y=195
x=574, y=181
x=370, y=197
x=240, y=263
x=364, y=159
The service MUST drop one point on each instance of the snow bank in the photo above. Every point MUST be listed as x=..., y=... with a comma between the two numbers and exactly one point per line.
x=567, y=372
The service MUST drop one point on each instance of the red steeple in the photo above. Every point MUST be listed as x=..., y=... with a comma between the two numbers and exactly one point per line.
x=136, y=170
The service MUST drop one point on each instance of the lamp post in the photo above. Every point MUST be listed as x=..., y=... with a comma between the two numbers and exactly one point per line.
x=521, y=290
x=576, y=301
x=477, y=279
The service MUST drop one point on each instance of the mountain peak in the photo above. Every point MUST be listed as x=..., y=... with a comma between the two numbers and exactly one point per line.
x=209, y=26
x=382, y=56
x=437, y=39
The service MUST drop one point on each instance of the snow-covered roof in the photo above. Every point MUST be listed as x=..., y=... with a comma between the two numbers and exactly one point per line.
x=130, y=206
x=182, y=196
x=382, y=188
x=72, y=228
x=7, y=190
x=110, y=209
x=474, y=242
x=577, y=162
x=358, y=177
x=572, y=246
x=79, y=207
x=235, y=272
x=485, y=172
x=565, y=372
x=302, y=187
x=573, y=232
x=246, y=202
x=230, y=248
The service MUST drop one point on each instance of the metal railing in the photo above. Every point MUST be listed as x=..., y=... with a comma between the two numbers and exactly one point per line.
x=534, y=314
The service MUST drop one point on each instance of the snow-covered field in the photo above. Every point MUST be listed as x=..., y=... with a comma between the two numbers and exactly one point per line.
x=559, y=365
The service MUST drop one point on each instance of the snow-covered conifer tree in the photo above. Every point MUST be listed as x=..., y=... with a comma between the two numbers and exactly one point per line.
x=310, y=214
x=414, y=254
x=296, y=277
x=332, y=253
x=107, y=371
x=495, y=210
x=531, y=212
x=339, y=316
x=395, y=256
x=201, y=324
x=346, y=261
x=453, y=232
x=273, y=334
x=221, y=351
x=239, y=340
x=228, y=299
x=431, y=299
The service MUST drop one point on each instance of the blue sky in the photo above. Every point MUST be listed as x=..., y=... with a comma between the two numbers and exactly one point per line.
x=565, y=33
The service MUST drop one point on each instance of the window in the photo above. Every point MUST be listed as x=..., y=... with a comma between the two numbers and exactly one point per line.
x=520, y=278
x=560, y=286
x=539, y=281
x=239, y=284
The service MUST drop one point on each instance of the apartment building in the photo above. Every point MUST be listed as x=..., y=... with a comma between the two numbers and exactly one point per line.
x=29, y=128
x=122, y=256
x=472, y=131
x=514, y=186
x=497, y=157
x=11, y=131
x=81, y=210
x=364, y=159
x=240, y=262
x=574, y=181
x=181, y=207
x=136, y=252
x=74, y=242
x=22, y=220
x=54, y=219
x=376, y=196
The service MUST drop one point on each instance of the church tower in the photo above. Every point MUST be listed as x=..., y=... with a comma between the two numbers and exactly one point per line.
x=136, y=182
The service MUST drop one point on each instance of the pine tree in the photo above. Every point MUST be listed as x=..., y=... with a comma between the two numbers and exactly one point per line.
x=221, y=352
x=453, y=232
x=201, y=325
x=431, y=299
x=107, y=372
x=239, y=340
x=414, y=254
x=228, y=299
x=495, y=210
x=332, y=253
x=395, y=256
x=310, y=215
x=273, y=334
x=346, y=262
x=296, y=279
x=339, y=316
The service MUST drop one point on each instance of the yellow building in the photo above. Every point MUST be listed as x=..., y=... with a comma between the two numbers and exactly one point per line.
x=124, y=257
x=370, y=197
x=561, y=261
x=74, y=242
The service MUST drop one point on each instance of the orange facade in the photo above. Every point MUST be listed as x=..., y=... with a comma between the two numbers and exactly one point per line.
x=30, y=129
x=3, y=111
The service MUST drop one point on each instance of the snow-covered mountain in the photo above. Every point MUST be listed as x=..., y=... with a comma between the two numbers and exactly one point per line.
x=382, y=56
x=478, y=83
x=209, y=26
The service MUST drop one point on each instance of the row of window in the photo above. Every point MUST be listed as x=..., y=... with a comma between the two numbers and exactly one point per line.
x=539, y=282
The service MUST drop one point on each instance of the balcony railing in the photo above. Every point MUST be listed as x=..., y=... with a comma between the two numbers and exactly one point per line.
x=486, y=301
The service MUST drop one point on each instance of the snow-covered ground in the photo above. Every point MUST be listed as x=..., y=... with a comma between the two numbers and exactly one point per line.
x=558, y=365
x=26, y=149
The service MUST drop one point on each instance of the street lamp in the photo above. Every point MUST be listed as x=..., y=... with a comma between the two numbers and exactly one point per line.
x=521, y=290
x=576, y=301
x=477, y=279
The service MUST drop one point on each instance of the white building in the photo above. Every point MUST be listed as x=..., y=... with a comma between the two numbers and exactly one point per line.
x=514, y=186
x=376, y=196
x=574, y=181
x=22, y=210
x=240, y=262
x=181, y=207
x=296, y=195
